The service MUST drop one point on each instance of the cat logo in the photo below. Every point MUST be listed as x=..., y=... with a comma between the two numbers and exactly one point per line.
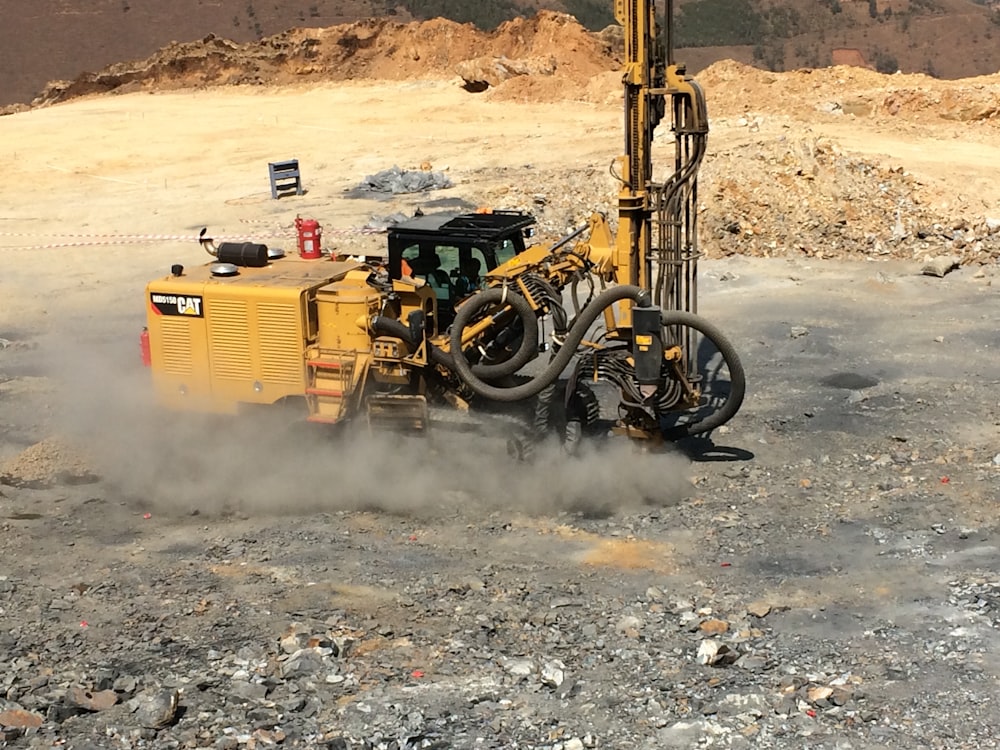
x=172, y=304
x=189, y=306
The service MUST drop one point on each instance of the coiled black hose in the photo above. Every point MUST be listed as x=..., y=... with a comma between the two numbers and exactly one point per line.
x=557, y=364
x=737, y=376
x=472, y=374
x=525, y=353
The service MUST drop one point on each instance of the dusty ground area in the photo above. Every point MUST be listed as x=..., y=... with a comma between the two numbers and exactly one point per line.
x=822, y=573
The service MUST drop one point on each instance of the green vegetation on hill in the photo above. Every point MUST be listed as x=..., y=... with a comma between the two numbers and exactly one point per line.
x=488, y=14
x=592, y=14
x=710, y=23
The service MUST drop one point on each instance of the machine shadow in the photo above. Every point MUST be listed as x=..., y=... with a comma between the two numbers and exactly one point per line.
x=703, y=449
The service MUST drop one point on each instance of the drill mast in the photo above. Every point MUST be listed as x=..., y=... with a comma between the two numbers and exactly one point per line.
x=657, y=241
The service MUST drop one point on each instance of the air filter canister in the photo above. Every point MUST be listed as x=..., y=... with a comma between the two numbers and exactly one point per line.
x=250, y=254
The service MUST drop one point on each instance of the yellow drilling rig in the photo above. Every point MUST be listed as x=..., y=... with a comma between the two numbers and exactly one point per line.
x=467, y=317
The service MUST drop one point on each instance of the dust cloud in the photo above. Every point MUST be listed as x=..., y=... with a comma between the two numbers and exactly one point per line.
x=270, y=462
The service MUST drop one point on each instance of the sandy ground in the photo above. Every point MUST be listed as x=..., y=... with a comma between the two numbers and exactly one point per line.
x=171, y=163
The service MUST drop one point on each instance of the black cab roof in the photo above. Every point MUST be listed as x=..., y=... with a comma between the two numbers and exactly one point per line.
x=477, y=226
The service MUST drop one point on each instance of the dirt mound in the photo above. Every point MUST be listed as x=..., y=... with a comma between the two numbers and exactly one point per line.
x=732, y=88
x=370, y=49
x=772, y=187
x=50, y=462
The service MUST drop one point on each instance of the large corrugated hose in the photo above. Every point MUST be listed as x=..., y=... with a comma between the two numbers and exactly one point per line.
x=520, y=305
x=528, y=349
x=524, y=354
x=575, y=336
x=472, y=375
x=737, y=377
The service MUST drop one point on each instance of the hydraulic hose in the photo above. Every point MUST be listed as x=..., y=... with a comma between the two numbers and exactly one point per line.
x=737, y=375
x=529, y=334
x=557, y=364
x=460, y=365
x=526, y=352
x=398, y=329
x=560, y=320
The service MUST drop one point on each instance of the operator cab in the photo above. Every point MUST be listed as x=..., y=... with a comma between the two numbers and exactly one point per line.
x=453, y=252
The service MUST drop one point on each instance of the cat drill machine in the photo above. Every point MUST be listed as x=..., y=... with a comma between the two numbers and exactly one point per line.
x=463, y=304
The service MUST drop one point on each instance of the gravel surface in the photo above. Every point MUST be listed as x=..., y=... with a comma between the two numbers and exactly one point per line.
x=821, y=574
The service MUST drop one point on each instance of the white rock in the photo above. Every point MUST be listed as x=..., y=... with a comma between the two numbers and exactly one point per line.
x=520, y=667
x=553, y=673
x=708, y=652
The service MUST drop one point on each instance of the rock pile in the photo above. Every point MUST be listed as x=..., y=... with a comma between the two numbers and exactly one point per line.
x=49, y=462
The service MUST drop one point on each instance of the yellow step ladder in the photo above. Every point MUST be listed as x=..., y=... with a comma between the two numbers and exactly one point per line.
x=331, y=382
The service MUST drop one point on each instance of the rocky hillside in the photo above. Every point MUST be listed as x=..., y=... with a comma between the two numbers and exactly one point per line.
x=46, y=40
x=886, y=35
x=548, y=45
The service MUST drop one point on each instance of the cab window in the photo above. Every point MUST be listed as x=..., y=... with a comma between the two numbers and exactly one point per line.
x=410, y=252
x=425, y=263
x=473, y=264
x=449, y=257
x=505, y=251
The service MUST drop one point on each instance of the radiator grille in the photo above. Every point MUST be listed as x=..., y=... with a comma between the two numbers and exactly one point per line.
x=281, y=358
x=176, y=337
x=229, y=339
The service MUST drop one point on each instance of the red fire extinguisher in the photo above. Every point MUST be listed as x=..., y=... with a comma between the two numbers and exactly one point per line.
x=309, y=238
x=147, y=355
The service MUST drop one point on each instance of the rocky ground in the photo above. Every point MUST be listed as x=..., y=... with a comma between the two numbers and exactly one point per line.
x=822, y=574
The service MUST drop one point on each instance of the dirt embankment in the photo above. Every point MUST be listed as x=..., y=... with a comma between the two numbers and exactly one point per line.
x=551, y=43
x=734, y=87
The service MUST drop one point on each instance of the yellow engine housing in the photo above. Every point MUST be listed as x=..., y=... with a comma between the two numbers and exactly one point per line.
x=292, y=328
x=216, y=342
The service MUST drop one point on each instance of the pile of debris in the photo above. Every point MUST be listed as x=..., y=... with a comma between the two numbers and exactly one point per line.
x=49, y=462
x=808, y=198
